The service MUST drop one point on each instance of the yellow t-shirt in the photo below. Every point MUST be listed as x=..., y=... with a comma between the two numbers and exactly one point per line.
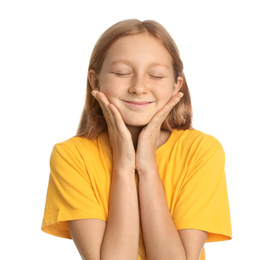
x=191, y=167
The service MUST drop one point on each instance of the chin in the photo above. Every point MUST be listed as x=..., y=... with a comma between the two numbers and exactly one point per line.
x=137, y=120
x=137, y=123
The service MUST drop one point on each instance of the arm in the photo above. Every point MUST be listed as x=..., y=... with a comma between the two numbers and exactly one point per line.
x=122, y=231
x=162, y=240
x=119, y=237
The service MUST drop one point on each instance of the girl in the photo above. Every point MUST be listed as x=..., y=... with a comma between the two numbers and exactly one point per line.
x=137, y=182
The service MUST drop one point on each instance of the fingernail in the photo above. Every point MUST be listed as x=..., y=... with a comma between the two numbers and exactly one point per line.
x=93, y=93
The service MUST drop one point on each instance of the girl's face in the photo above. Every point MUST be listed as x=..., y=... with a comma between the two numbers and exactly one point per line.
x=137, y=77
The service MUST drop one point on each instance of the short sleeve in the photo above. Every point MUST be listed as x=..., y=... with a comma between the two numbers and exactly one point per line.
x=70, y=194
x=203, y=200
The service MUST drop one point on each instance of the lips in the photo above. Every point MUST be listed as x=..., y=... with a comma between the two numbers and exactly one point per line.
x=137, y=103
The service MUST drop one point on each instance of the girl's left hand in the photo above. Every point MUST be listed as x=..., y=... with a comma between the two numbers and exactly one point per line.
x=145, y=158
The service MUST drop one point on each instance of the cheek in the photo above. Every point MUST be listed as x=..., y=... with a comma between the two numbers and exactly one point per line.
x=164, y=94
x=112, y=87
x=106, y=85
x=163, y=88
x=111, y=91
x=164, y=101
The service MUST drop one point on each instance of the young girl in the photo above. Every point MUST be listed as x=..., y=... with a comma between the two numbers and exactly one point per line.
x=137, y=182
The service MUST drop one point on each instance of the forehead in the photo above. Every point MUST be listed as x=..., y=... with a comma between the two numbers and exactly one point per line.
x=141, y=48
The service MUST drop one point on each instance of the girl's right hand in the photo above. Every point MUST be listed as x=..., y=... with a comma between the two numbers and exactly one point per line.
x=119, y=135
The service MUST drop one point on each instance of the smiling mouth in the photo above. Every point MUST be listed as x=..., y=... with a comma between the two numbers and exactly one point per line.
x=137, y=103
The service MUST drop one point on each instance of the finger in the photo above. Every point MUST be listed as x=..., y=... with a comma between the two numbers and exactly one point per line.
x=103, y=101
x=111, y=113
x=163, y=112
x=161, y=115
x=112, y=116
x=118, y=118
x=173, y=101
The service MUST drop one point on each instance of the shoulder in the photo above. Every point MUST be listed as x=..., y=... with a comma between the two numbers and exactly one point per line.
x=192, y=138
x=79, y=147
x=75, y=142
x=196, y=145
x=78, y=144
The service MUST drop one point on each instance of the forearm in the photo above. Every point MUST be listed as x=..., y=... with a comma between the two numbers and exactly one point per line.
x=162, y=240
x=122, y=230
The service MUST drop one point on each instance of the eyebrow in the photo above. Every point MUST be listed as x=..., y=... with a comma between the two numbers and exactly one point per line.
x=128, y=62
x=121, y=60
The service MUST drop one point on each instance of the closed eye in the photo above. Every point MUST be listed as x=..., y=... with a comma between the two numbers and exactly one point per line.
x=156, y=77
x=121, y=74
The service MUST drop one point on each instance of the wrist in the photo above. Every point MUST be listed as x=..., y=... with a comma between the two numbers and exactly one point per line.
x=148, y=173
x=123, y=171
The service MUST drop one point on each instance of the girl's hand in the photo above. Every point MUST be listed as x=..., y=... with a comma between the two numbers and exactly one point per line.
x=145, y=158
x=119, y=135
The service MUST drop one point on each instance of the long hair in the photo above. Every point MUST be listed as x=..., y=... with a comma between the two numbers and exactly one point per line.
x=92, y=122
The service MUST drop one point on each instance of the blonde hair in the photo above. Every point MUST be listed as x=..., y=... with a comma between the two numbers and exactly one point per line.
x=92, y=122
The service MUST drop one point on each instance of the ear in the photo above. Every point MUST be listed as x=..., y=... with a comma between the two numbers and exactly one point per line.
x=177, y=86
x=93, y=79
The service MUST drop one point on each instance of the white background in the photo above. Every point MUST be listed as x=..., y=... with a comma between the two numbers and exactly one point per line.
x=44, y=54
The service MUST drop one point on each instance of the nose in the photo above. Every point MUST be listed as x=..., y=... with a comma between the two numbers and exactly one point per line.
x=138, y=86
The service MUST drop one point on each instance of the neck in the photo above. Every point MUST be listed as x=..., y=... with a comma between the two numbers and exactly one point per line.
x=135, y=132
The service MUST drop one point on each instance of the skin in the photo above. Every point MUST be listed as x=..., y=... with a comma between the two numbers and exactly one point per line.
x=136, y=90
